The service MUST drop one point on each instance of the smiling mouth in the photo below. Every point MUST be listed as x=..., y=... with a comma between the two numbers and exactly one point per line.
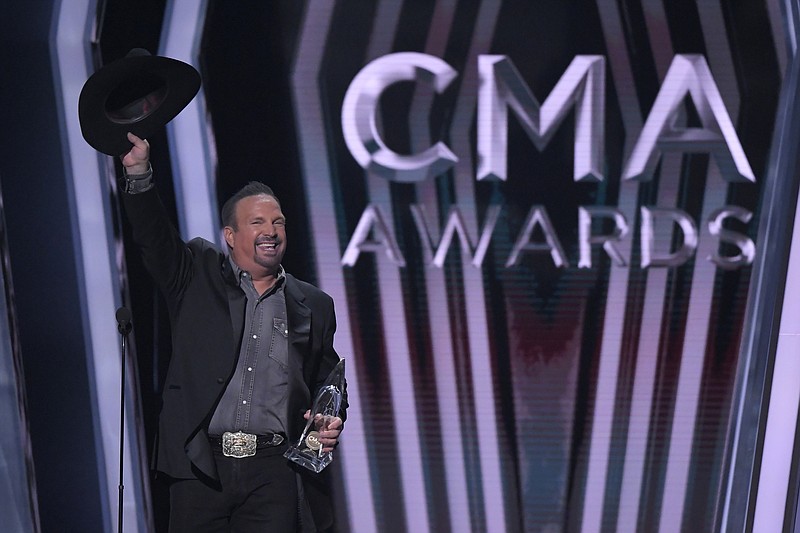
x=267, y=245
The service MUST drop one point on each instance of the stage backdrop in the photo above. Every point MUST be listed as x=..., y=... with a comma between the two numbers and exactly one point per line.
x=538, y=221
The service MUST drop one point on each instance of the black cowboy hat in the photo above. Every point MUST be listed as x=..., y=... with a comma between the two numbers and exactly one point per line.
x=138, y=93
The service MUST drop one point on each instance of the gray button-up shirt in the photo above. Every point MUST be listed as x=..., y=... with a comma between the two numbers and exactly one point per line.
x=255, y=398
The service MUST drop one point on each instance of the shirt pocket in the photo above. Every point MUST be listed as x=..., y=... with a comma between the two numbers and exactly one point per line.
x=279, y=349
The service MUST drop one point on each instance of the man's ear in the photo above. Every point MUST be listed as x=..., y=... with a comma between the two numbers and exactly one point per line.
x=227, y=232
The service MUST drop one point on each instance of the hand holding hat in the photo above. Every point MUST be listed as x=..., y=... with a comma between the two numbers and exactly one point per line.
x=139, y=93
x=137, y=160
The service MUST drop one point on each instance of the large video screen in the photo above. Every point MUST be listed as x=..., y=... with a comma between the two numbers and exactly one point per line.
x=537, y=221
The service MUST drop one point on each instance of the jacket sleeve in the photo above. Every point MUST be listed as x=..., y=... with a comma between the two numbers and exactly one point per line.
x=166, y=256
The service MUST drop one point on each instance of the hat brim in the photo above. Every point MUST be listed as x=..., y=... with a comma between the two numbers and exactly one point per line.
x=158, y=89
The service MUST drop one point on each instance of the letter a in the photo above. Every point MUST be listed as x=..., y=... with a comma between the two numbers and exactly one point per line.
x=372, y=222
x=689, y=75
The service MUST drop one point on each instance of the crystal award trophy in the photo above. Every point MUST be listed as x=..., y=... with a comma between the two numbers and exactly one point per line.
x=307, y=451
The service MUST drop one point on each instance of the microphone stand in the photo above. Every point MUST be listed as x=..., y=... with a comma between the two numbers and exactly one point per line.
x=124, y=327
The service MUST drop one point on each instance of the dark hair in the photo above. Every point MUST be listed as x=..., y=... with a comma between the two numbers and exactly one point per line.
x=254, y=188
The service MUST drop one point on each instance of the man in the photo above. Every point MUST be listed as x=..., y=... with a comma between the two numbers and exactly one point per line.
x=251, y=345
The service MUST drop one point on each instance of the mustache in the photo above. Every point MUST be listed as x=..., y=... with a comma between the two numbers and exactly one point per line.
x=267, y=240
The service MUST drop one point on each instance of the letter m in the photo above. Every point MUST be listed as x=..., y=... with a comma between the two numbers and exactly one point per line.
x=582, y=85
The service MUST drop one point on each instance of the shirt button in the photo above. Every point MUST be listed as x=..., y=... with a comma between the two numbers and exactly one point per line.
x=249, y=368
x=244, y=402
x=220, y=380
x=255, y=336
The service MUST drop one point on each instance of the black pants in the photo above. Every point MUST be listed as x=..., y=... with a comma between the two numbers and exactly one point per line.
x=259, y=494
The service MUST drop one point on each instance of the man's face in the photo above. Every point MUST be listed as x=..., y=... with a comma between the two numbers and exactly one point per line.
x=259, y=240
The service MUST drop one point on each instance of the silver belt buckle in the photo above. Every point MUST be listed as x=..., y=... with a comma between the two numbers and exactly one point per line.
x=238, y=444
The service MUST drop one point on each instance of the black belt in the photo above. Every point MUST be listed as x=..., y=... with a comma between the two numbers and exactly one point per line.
x=241, y=444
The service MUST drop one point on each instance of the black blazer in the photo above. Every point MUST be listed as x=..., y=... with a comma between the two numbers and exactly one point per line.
x=207, y=310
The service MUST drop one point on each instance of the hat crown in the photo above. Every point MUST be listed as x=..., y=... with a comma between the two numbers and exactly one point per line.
x=137, y=52
x=136, y=98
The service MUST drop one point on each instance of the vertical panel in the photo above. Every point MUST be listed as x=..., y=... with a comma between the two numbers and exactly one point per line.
x=317, y=172
x=100, y=288
x=756, y=363
x=17, y=484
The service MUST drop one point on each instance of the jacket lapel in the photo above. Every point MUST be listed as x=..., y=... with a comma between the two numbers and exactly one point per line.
x=299, y=318
x=298, y=315
x=236, y=303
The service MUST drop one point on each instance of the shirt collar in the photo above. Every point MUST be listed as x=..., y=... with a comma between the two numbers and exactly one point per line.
x=238, y=273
